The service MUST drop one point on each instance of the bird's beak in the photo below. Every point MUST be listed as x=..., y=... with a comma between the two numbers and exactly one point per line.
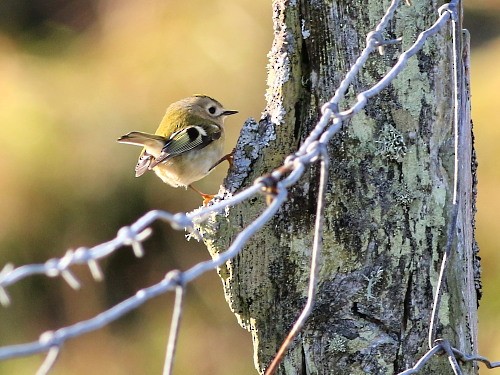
x=228, y=112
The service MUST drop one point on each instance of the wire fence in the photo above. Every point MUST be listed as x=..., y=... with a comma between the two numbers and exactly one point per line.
x=275, y=185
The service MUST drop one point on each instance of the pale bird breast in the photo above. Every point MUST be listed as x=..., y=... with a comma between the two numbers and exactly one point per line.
x=191, y=166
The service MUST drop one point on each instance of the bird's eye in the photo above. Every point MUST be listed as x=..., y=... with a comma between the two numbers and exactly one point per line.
x=212, y=110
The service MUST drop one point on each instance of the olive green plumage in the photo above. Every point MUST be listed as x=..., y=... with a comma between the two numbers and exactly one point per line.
x=188, y=143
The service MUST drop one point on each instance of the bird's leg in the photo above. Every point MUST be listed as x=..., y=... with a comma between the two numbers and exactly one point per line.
x=228, y=157
x=206, y=197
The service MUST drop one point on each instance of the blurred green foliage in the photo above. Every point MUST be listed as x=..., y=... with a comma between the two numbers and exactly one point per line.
x=75, y=75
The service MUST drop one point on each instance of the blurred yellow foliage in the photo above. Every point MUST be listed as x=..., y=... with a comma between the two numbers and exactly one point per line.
x=64, y=100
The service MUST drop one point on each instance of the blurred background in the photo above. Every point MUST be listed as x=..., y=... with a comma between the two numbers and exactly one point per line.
x=77, y=74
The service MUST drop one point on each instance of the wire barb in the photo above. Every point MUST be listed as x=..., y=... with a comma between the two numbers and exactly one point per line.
x=95, y=270
x=4, y=297
x=176, y=277
x=269, y=186
x=375, y=39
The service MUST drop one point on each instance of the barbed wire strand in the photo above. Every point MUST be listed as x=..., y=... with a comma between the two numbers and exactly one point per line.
x=52, y=339
x=446, y=12
x=456, y=67
x=132, y=235
x=468, y=358
x=445, y=344
x=49, y=361
x=457, y=354
x=331, y=107
x=422, y=361
x=373, y=39
x=442, y=344
x=316, y=250
x=452, y=226
x=294, y=167
x=175, y=324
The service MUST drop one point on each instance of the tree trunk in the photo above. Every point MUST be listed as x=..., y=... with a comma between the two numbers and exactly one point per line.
x=389, y=200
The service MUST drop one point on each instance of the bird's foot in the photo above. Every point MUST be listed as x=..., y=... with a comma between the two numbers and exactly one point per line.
x=206, y=197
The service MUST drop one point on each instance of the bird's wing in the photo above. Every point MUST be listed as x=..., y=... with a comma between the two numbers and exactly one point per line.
x=143, y=163
x=188, y=139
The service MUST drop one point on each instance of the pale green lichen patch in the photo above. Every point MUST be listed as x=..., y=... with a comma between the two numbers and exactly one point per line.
x=415, y=168
x=300, y=253
x=409, y=22
x=411, y=86
x=439, y=194
x=362, y=127
x=391, y=143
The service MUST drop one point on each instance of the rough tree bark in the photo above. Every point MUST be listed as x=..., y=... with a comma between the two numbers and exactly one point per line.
x=388, y=200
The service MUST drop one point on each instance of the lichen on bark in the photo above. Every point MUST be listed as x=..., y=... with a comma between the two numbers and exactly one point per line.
x=388, y=198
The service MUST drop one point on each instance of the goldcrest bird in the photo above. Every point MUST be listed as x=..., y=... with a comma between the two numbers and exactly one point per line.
x=187, y=145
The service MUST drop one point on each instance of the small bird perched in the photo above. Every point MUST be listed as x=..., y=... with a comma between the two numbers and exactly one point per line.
x=187, y=145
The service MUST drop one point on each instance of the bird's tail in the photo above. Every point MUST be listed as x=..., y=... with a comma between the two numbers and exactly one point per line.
x=152, y=141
